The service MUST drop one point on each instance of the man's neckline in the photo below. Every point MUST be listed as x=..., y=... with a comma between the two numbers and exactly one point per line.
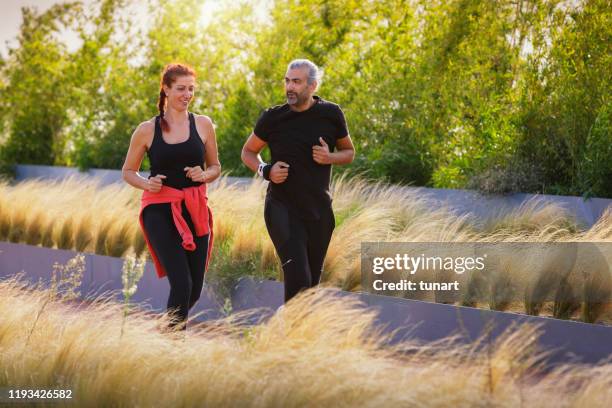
x=316, y=98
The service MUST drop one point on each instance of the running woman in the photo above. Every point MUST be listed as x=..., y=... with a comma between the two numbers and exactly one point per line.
x=174, y=214
x=306, y=136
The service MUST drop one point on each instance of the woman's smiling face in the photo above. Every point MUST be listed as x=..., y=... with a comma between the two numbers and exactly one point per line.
x=180, y=94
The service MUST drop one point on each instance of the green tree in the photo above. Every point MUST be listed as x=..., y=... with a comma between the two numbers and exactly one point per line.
x=107, y=90
x=566, y=100
x=236, y=122
x=500, y=95
x=36, y=89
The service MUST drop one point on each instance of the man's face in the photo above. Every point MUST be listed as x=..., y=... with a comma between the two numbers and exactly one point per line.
x=297, y=89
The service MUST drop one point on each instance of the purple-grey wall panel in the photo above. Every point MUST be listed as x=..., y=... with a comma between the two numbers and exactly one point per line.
x=104, y=176
x=426, y=322
x=102, y=275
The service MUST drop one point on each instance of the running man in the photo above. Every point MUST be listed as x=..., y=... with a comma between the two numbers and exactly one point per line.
x=302, y=135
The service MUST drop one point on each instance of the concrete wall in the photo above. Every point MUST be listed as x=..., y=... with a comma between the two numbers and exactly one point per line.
x=426, y=322
x=104, y=176
x=485, y=206
x=102, y=276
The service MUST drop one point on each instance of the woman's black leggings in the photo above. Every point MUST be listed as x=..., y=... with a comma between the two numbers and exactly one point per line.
x=185, y=269
x=300, y=244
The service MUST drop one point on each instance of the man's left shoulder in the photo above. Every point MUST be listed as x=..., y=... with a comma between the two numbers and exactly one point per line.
x=328, y=104
x=330, y=108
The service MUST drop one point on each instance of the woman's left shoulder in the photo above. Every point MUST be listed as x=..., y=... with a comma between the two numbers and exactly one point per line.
x=205, y=127
x=203, y=120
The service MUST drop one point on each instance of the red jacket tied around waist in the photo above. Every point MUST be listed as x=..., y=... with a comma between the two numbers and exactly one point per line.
x=196, y=201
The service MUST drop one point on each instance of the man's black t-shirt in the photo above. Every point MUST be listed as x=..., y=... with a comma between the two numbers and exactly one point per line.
x=290, y=136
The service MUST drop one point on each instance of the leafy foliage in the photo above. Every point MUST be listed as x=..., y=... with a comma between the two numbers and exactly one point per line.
x=500, y=95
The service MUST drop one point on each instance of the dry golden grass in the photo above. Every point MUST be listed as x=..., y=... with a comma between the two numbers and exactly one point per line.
x=119, y=238
x=269, y=259
x=138, y=240
x=63, y=233
x=320, y=350
x=534, y=217
x=602, y=230
x=72, y=211
x=235, y=208
x=86, y=216
x=246, y=242
x=83, y=232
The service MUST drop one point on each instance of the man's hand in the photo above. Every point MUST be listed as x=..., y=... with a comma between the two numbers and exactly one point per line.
x=196, y=174
x=154, y=184
x=321, y=154
x=279, y=172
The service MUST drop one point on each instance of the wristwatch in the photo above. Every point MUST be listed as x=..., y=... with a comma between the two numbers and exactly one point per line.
x=260, y=168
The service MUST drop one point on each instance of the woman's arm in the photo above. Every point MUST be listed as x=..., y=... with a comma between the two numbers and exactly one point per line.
x=211, y=159
x=135, y=154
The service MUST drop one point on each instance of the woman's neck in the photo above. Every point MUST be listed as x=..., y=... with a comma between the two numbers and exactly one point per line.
x=176, y=116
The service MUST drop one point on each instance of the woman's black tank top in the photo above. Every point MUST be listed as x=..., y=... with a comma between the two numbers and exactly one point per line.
x=171, y=159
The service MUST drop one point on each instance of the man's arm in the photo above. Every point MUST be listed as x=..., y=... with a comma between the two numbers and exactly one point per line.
x=250, y=152
x=251, y=158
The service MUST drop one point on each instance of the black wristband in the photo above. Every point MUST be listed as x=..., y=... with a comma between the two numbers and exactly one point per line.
x=266, y=171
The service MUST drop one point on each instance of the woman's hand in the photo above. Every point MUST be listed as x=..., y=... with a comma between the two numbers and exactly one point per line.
x=196, y=174
x=154, y=184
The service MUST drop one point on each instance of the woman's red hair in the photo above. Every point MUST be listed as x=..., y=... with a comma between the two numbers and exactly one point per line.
x=168, y=77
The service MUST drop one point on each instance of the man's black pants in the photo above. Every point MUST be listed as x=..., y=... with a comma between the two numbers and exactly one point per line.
x=300, y=244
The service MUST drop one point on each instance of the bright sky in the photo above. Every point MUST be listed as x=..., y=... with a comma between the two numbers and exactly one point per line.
x=11, y=19
x=11, y=16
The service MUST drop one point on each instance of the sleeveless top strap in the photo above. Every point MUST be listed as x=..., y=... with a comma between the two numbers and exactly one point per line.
x=192, y=126
x=193, y=130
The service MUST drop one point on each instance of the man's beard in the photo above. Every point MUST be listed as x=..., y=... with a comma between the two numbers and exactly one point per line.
x=296, y=99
